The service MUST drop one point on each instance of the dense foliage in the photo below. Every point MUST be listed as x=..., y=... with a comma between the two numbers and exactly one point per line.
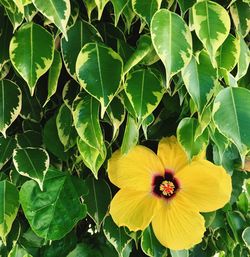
x=82, y=78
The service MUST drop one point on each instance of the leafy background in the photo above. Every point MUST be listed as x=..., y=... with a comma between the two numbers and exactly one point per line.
x=80, y=79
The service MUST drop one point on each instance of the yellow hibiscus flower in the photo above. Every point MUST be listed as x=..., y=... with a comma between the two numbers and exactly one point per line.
x=167, y=190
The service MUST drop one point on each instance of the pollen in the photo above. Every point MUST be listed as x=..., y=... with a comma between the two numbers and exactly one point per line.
x=167, y=188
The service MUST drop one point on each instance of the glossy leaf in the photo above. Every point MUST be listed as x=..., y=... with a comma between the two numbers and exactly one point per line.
x=243, y=63
x=53, y=212
x=56, y=11
x=15, y=16
x=17, y=251
x=32, y=163
x=10, y=104
x=147, y=9
x=26, y=54
x=54, y=74
x=91, y=157
x=231, y=110
x=144, y=90
x=199, y=77
x=180, y=253
x=99, y=71
x=29, y=138
x=86, y=120
x=9, y=204
x=90, y=6
x=97, y=200
x=65, y=128
x=150, y=245
x=118, y=8
x=211, y=24
x=185, y=5
x=78, y=35
x=70, y=91
x=7, y=146
x=172, y=41
x=186, y=137
x=246, y=236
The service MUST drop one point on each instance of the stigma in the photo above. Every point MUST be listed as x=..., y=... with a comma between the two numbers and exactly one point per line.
x=167, y=188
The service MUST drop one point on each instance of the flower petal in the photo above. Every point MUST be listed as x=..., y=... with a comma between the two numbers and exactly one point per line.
x=133, y=209
x=178, y=224
x=171, y=154
x=208, y=186
x=134, y=170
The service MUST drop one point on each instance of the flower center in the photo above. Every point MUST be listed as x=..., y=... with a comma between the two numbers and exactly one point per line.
x=165, y=186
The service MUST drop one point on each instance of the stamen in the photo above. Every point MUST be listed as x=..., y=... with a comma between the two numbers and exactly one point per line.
x=167, y=188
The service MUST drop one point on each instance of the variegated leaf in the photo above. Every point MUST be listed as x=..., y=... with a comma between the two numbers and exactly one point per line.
x=10, y=104
x=146, y=9
x=240, y=12
x=65, y=127
x=172, y=41
x=57, y=11
x=74, y=13
x=100, y=6
x=7, y=146
x=29, y=12
x=144, y=90
x=70, y=91
x=228, y=54
x=199, y=77
x=231, y=115
x=146, y=123
x=78, y=35
x=186, y=136
x=243, y=59
x=9, y=204
x=26, y=2
x=54, y=73
x=211, y=24
x=99, y=71
x=29, y=138
x=86, y=120
x=128, y=14
x=32, y=163
x=118, y=8
x=16, y=17
x=26, y=54
x=144, y=46
x=185, y=5
x=90, y=6
x=116, y=113
x=91, y=157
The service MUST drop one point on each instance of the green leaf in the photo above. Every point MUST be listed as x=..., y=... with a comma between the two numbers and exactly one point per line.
x=211, y=24
x=180, y=253
x=29, y=12
x=118, y=8
x=18, y=251
x=54, y=73
x=116, y=113
x=65, y=128
x=172, y=41
x=186, y=137
x=26, y=54
x=53, y=212
x=228, y=54
x=97, y=200
x=99, y=71
x=32, y=163
x=116, y=235
x=146, y=123
x=144, y=45
x=15, y=16
x=144, y=90
x=231, y=110
x=29, y=138
x=54, y=146
x=243, y=62
x=147, y=9
x=78, y=35
x=241, y=16
x=199, y=77
x=92, y=158
x=10, y=104
x=86, y=120
x=246, y=236
x=9, y=204
x=131, y=135
x=7, y=146
x=185, y=5
x=56, y=11
x=70, y=91
x=100, y=6
x=150, y=245
x=90, y=6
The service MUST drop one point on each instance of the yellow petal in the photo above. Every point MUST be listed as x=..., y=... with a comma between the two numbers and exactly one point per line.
x=208, y=186
x=134, y=170
x=177, y=224
x=133, y=209
x=171, y=154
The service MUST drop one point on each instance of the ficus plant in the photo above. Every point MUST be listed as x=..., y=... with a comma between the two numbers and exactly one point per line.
x=81, y=79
